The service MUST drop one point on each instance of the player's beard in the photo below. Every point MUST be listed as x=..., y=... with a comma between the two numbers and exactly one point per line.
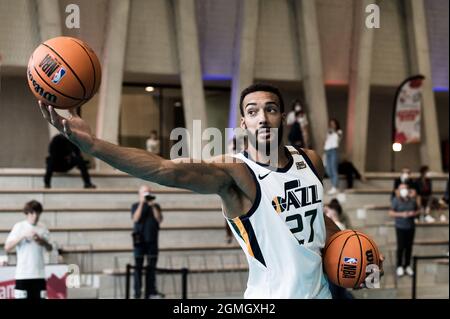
x=268, y=147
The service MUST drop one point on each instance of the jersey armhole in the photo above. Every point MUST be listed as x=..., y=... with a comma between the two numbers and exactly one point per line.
x=310, y=163
x=255, y=203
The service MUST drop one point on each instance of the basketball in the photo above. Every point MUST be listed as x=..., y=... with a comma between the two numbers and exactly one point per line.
x=346, y=257
x=64, y=72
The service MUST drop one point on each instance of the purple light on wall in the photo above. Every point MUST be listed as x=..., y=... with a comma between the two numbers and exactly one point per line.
x=216, y=77
x=440, y=89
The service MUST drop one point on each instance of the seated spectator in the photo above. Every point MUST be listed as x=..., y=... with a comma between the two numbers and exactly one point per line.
x=63, y=156
x=404, y=209
x=434, y=210
x=349, y=170
x=444, y=200
x=424, y=187
x=335, y=212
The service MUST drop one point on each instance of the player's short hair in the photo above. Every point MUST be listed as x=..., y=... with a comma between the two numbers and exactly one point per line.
x=261, y=87
x=32, y=206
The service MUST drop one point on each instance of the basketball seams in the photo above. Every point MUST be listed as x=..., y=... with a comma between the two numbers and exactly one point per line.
x=65, y=95
x=67, y=64
x=361, y=260
x=92, y=64
x=374, y=246
x=340, y=256
x=343, y=232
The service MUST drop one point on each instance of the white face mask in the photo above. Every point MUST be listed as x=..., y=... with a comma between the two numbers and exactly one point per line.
x=404, y=176
x=404, y=192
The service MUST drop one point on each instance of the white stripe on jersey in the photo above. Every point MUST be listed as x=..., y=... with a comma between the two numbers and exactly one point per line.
x=284, y=232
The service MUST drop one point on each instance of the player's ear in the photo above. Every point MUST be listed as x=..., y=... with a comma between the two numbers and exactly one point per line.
x=283, y=118
x=243, y=125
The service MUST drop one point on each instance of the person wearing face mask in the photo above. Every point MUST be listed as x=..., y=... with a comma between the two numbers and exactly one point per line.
x=30, y=239
x=298, y=125
x=404, y=209
x=405, y=177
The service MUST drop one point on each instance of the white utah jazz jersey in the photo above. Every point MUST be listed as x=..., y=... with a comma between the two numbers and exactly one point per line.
x=283, y=233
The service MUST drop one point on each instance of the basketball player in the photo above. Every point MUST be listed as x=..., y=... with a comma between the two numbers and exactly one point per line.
x=276, y=213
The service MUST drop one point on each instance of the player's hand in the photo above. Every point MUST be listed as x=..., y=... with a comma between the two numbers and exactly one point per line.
x=363, y=285
x=381, y=264
x=73, y=128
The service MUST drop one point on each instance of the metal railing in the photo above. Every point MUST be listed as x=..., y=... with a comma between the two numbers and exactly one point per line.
x=183, y=271
x=415, y=260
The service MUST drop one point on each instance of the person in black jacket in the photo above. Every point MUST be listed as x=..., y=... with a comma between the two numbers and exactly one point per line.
x=296, y=133
x=63, y=156
x=424, y=187
x=147, y=216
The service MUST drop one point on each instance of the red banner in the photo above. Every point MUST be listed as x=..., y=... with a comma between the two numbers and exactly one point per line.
x=408, y=105
x=54, y=274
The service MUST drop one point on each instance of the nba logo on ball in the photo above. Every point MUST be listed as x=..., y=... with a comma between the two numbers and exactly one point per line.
x=58, y=75
x=350, y=260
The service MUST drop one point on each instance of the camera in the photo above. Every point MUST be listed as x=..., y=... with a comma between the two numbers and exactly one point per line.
x=149, y=196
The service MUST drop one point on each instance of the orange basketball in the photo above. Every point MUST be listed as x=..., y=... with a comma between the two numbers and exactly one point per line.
x=346, y=257
x=64, y=72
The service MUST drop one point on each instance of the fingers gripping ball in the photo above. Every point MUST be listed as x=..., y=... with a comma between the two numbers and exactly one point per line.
x=347, y=256
x=64, y=72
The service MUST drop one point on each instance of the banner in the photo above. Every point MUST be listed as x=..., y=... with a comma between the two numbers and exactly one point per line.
x=54, y=274
x=407, y=111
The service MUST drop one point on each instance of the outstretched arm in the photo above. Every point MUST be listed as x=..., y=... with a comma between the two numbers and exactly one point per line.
x=204, y=177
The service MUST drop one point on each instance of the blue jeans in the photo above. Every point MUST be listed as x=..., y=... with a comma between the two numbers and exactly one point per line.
x=332, y=166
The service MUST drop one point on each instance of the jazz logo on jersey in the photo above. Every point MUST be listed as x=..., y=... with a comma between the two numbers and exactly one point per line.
x=295, y=196
x=52, y=68
x=350, y=260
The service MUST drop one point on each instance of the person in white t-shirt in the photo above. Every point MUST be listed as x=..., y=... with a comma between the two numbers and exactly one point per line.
x=334, y=136
x=30, y=239
x=152, y=143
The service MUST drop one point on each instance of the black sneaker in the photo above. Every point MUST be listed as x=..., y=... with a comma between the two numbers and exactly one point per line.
x=47, y=186
x=90, y=186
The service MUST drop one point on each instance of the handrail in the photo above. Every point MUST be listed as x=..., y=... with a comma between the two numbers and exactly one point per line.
x=415, y=260
x=183, y=271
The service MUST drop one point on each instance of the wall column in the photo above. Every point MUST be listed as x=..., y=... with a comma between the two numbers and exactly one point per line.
x=359, y=88
x=190, y=70
x=419, y=50
x=311, y=66
x=243, y=56
x=112, y=74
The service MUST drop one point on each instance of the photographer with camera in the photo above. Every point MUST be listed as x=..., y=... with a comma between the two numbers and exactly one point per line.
x=147, y=216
